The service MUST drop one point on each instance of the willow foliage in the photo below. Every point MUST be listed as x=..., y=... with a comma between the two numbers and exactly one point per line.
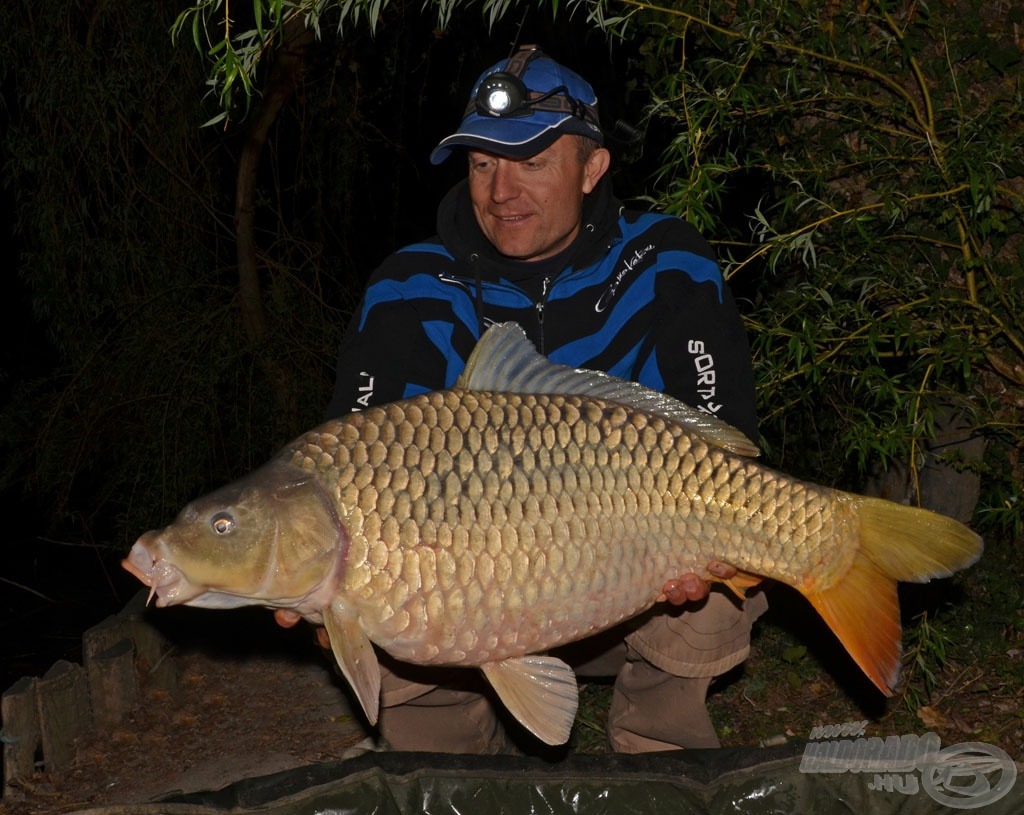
x=877, y=151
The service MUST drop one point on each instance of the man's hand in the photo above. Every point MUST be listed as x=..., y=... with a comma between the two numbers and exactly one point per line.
x=692, y=589
x=286, y=618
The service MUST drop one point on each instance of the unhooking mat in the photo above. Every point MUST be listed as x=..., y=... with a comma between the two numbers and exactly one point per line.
x=740, y=781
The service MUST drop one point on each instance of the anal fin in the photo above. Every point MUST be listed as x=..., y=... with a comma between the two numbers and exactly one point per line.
x=540, y=691
x=356, y=657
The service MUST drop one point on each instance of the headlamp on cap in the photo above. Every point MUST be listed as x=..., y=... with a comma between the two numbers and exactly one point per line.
x=502, y=94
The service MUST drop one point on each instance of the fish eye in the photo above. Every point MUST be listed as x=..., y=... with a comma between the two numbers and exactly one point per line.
x=222, y=523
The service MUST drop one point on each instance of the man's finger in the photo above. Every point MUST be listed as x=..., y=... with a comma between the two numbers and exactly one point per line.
x=286, y=618
x=687, y=589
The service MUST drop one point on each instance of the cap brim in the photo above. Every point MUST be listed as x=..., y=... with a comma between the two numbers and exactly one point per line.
x=511, y=137
x=499, y=148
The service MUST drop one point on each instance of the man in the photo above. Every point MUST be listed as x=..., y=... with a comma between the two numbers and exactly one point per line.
x=534, y=235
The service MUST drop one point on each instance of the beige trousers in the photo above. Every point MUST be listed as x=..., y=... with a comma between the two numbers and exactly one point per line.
x=662, y=667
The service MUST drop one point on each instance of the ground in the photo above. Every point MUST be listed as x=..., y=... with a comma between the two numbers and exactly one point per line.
x=252, y=704
x=236, y=711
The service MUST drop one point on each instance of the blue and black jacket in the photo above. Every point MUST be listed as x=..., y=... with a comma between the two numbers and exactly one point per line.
x=637, y=294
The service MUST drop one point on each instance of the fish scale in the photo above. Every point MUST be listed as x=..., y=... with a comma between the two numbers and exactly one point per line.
x=529, y=506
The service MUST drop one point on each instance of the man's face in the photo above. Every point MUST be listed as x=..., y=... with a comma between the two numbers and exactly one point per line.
x=530, y=208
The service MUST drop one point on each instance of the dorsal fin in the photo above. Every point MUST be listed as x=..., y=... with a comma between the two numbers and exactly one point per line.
x=505, y=360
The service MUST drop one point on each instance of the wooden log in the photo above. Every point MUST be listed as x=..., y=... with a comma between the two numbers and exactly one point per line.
x=113, y=684
x=105, y=635
x=153, y=651
x=108, y=652
x=64, y=712
x=152, y=648
x=20, y=712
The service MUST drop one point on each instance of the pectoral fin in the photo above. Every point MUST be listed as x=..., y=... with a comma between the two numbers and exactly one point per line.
x=539, y=691
x=356, y=658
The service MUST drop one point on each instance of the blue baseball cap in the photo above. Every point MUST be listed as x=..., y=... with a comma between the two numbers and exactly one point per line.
x=521, y=106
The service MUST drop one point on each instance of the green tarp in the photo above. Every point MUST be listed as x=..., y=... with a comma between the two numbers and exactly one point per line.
x=736, y=781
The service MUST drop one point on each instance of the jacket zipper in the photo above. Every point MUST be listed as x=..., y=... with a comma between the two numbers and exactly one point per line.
x=468, y=285
x=540, y=305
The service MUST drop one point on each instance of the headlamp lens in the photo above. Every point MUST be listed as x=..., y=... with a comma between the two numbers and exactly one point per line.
x=502, y=95
x=498, y=101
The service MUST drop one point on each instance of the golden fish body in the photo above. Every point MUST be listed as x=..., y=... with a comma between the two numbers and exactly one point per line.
x=531, y=506
x=488, y=525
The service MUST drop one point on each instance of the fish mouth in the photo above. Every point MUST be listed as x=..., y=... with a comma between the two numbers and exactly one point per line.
x=165, y=580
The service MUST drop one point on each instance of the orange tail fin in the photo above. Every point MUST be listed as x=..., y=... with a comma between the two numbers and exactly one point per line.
x=896, y=543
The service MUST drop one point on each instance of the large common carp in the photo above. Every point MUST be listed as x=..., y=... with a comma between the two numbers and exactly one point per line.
x=529, y=506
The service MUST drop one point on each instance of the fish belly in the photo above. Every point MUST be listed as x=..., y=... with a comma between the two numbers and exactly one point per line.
x=487, y=525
